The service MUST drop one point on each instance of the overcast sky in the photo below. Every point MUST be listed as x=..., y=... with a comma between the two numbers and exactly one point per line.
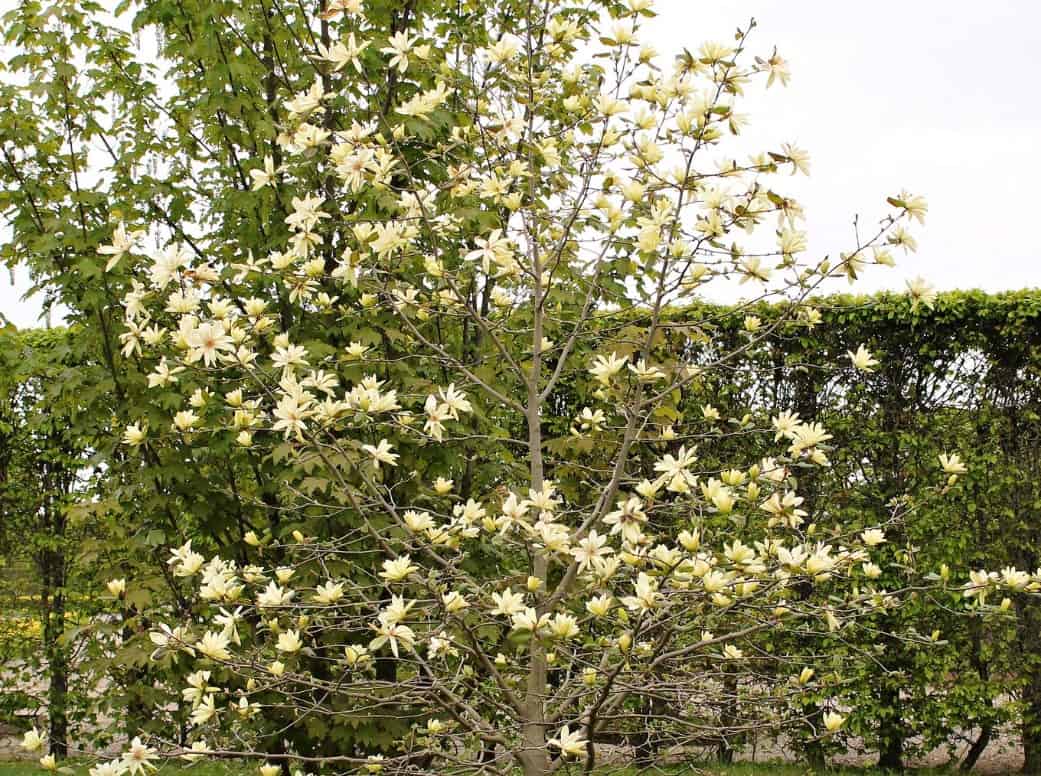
x=936, y=96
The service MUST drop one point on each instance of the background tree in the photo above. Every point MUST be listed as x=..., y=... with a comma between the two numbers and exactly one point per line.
x=581, y=589
x=166, y=113
x=44, y=468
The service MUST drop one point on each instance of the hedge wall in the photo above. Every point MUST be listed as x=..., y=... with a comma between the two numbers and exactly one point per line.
x=962, y=376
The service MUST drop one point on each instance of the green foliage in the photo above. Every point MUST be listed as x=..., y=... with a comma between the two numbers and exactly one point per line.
x=172, y=139
x=959, y=378
x=44, y=462
x=157, y=116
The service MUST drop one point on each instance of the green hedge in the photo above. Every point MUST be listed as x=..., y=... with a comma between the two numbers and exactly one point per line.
x=962, y=376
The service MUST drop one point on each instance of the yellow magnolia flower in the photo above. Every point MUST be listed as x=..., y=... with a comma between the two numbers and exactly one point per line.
x=397, y=569
x=862, y=359
x=32, y=741
x=833, y=721
x=952, y=463
x=570, y=744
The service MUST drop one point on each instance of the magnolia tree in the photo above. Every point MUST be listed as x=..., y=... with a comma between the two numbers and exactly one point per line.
x=536, y=564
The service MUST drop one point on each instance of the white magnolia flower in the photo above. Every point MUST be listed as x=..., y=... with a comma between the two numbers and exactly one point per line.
x=109, y=768
x=529, y=620
x=265, y=175
x=274, y=595
x=329, y=593
x=833, y=721
x=393, y=633
x=645, y=595
x=214, y=645
x=32, y=741
x=921, y=293
x=873, y=537
x=381, y=453
x=590, y=548
x=570, y=744
x=862, y=359
x=952, y=463
x=563, y=626
x=123, y=242
x=397, y=569
x=454, y=602
x=289, y=641
x=606, y=367
x=398, y=48
x=341, y=54
x=508, y=603
x=139, y=758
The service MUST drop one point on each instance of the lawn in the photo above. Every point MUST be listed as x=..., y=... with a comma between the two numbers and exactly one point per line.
x=30, y=768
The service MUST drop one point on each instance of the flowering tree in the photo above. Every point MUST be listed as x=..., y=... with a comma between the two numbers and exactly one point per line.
x=165, y=127
x=533, y=559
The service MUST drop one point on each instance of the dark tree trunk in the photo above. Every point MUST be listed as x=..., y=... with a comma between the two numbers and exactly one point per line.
x=813, y=751
x=643, y=751
x=814, y=755
x=1027, y=625
x=983, y=671
x=53, y=602
x=806, y=404
x=1031, y=752
x=645, y=744
x=1031, y=728
x=891, y=755
x=891, y=730
x=728, y=720
x=973, y=755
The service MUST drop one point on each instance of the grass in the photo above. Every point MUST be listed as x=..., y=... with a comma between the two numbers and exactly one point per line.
x=30, y=768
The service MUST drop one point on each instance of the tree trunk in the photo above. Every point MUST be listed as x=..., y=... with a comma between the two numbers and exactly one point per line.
x=813, y=751
x=973, y=755
x=891, y=754
x=728, y=720
x=1027, y=625
x=1031, y=729
x=1031, y=756
x=891, y=730
x=814, y=756
x=806, y=403
x=644, y=743
x=983, y=671
x=535, y=757
x=53, y=602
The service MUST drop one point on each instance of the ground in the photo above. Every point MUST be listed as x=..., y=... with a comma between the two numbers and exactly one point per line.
x=22, y=768
x=1003, y=756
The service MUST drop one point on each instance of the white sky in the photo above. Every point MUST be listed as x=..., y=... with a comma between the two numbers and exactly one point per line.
x=936, y=96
